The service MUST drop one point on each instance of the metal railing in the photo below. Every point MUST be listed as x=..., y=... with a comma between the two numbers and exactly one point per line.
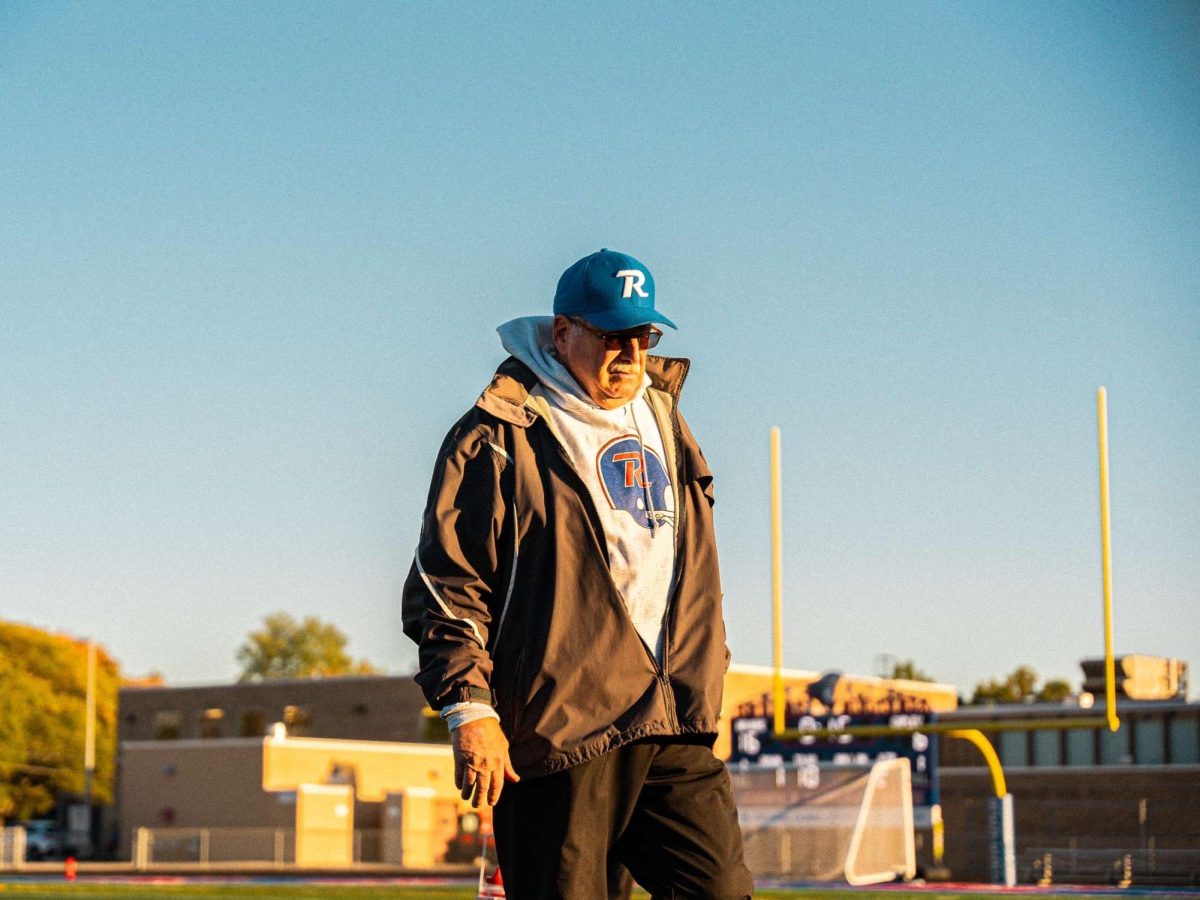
x=269, y=847
x=1066, y=865
x=206, y=846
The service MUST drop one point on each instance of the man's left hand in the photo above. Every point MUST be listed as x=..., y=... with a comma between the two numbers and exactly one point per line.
x=481, y=763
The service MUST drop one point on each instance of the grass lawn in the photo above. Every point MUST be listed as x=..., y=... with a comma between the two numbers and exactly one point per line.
x=44, y=890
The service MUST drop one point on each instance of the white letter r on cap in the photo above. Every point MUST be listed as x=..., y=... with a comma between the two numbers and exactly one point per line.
x=634, y=280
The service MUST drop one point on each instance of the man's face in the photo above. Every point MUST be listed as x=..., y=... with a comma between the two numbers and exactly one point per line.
x=610, y=377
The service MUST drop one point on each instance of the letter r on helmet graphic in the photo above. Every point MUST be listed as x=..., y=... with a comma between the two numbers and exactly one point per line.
x=635, y=480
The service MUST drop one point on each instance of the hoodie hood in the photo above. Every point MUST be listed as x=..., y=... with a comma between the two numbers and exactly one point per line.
x=530, y=340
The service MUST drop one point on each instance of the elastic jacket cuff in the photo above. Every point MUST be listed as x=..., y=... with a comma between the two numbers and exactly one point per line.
x=468, y=695
x=461, y=713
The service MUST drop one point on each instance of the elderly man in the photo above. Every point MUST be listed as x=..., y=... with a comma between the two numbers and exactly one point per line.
x=567, y=604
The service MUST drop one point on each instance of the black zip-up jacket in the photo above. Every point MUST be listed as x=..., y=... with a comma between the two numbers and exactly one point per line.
x=511, y=601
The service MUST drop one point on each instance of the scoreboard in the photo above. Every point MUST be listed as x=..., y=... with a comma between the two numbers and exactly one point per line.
x=754, y=744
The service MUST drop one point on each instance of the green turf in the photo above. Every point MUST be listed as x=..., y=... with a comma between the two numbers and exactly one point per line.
x=49, y=890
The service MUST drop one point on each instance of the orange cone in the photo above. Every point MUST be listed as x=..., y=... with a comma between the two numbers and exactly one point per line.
x=491, y=887
x=70, y=868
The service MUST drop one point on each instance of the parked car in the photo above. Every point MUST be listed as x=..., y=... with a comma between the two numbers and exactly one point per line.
x=43, y=840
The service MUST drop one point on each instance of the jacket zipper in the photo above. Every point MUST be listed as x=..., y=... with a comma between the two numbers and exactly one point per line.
x=680, y=524
x=660, y=671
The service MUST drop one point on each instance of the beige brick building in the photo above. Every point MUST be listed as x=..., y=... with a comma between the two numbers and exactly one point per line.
x=366, y=708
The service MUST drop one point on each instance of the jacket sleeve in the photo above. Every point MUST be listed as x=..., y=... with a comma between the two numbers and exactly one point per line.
x=695, y=466
x=454, y=586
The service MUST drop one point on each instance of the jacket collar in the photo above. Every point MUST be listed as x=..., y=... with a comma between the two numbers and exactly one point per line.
x=507, y=396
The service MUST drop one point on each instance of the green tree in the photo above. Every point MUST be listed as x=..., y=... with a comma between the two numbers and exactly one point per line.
x=1016, y=687
x=285, y=648
x=43, y=690
x=1054, y=691
x=908, y=669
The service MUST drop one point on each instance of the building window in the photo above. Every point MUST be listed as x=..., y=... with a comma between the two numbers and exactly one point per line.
x=1114, y=746
x=166, y=725
x=1047, y=747
x=210, y=723
x=296, y=719
x=1081, y=747
x=1150, y=742
x=253, y=724
x=1014, y=749
x=1185, y=740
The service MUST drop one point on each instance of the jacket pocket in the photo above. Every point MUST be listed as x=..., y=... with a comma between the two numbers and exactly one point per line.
x=511, y=699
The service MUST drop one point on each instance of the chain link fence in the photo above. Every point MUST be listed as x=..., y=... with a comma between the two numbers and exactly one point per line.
x=277, y=847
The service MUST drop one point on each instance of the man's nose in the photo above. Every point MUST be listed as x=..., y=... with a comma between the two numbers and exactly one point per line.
x=630, y=349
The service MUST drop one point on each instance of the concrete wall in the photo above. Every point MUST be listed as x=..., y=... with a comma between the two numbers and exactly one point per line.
x=192, y=784
x=324, y=825
x=374, y=768
x=254, y=783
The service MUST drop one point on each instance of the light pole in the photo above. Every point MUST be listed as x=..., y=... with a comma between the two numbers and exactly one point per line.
x=89, y=734
x=82, y=828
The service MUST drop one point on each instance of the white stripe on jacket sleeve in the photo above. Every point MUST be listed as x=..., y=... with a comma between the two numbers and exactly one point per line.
x=442, y=603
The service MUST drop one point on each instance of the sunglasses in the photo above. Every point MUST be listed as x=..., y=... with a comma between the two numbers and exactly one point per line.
x=646, y=336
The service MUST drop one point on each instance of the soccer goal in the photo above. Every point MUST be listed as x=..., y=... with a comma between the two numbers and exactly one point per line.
x=821, y=822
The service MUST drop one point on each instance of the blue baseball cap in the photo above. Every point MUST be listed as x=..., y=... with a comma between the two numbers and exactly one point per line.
x=610, y=290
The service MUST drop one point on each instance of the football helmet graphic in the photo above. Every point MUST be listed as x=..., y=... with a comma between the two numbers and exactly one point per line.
x=635, y=480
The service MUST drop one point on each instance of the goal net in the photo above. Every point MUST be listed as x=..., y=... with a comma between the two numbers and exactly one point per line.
x=822, y=822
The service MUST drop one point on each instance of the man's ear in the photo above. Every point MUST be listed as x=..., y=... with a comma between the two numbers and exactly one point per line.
x=559, y=330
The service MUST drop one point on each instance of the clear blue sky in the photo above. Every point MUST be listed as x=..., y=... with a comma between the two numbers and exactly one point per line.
x=252, y=257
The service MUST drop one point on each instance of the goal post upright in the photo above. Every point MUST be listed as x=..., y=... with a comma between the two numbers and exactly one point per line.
x=1001, y=806
x=1109, y=720
x=1110, y=673
x=777, y=582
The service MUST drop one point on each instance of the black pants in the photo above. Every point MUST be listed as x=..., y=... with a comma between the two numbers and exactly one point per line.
x=663, y=810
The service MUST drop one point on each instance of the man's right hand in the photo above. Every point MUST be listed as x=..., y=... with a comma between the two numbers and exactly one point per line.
x=481, y=763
